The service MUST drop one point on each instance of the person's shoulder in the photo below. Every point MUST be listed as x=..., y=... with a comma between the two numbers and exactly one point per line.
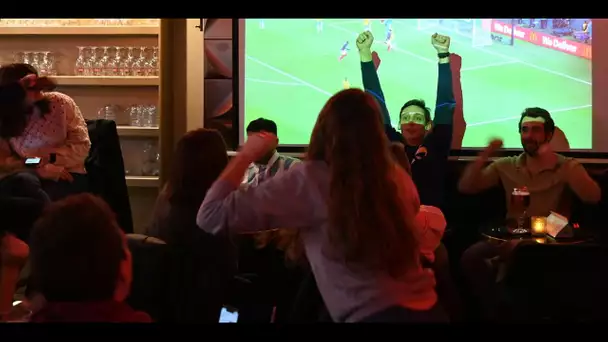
x=289, y=161
x=56, y=97
x=309, y=169
x=567, y=163
x=562, y=159
x=504, y=162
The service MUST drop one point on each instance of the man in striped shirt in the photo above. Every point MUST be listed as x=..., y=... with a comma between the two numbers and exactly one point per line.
x=271, y=164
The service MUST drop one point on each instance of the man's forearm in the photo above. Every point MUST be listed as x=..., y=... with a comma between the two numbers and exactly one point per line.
x=444, y=109
x=585, y=187
x=371, y=82
x=471, y=177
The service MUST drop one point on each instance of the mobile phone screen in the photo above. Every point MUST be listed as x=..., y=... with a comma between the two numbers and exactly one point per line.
x=32, y=161
x=229, y=315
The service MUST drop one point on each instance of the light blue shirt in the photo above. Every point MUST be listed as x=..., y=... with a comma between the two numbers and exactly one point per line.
x=298, y=198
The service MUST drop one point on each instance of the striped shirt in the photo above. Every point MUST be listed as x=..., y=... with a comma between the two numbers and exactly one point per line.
x=278, y=163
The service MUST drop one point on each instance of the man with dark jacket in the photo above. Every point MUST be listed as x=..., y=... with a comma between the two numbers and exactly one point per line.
x=427, y=142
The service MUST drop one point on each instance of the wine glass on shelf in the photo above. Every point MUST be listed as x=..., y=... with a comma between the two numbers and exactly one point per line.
x=104, y=61
x=80, y=66
x=18, y=57
x=43, y=65
x=127, y=63
x=89, y=61
x=153, y=62
x=35, y=62
x=113, y=64
x=139, y=66
x=27, y=57
x=49, y=60
x=94, y=61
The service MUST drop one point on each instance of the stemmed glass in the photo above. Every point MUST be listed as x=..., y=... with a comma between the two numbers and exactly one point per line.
x=27, y=57
x=103, y=62
x=126, y=63
x=80, y=67
x=139, y=66
x=49, y=61
x=113, y=65
x=89, y=61
x=94, y=61
x=43, y=64
x=35, y=60
x=153, y=62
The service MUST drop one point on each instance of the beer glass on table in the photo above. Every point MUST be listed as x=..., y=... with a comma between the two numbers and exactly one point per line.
x=520, y=201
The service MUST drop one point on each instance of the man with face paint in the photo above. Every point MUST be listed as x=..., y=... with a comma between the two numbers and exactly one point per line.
x=427, y=141
x=546, y=174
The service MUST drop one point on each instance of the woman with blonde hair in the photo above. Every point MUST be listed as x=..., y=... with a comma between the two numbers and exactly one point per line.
x=355, y=210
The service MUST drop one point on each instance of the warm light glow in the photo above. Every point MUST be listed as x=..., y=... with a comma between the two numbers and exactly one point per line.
x=539, y=225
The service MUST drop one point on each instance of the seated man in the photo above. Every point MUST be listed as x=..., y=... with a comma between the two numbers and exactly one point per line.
x=272, y=248
x=81, y=264
x=271, y=164
x=546, y=174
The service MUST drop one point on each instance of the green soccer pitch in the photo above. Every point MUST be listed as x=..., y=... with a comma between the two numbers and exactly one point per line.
x=291, y=71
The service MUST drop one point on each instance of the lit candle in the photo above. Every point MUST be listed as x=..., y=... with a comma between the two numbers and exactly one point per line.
x=539, y=225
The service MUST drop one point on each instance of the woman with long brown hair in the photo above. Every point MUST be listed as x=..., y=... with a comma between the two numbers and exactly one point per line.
x=354, y=207
x=202, y=264
x=52, y=129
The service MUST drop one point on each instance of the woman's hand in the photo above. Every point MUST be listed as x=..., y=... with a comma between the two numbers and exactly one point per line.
x=53, y=172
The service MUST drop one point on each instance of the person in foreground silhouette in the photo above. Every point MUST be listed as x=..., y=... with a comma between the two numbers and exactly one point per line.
x=355, y=210
x=81, y=264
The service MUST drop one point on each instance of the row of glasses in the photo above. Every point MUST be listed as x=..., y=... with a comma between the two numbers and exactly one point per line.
x=79, y=22
x=143, y=116
x=117, y=61
x=127, y=22
x=139, y=115
x=43, y=61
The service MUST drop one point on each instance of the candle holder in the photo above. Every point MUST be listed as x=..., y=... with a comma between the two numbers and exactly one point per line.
x=539, y=225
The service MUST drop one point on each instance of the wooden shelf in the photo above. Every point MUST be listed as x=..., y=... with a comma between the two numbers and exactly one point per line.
x=134, y=131
x=80, y=30
x=117, y=81
x=142, y=181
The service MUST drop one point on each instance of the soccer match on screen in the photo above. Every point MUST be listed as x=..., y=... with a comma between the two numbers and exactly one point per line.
x=293, y=66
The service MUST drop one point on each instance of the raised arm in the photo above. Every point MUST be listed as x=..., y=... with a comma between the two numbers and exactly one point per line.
x=277, y=203
x=444, y=108
x=476, y=177
x=582, y=184
x=371, y=82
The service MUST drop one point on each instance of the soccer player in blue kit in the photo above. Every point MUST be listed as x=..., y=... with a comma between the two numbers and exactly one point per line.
x=343, y=51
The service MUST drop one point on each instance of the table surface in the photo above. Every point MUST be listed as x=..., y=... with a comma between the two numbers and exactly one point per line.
x=501, y=233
